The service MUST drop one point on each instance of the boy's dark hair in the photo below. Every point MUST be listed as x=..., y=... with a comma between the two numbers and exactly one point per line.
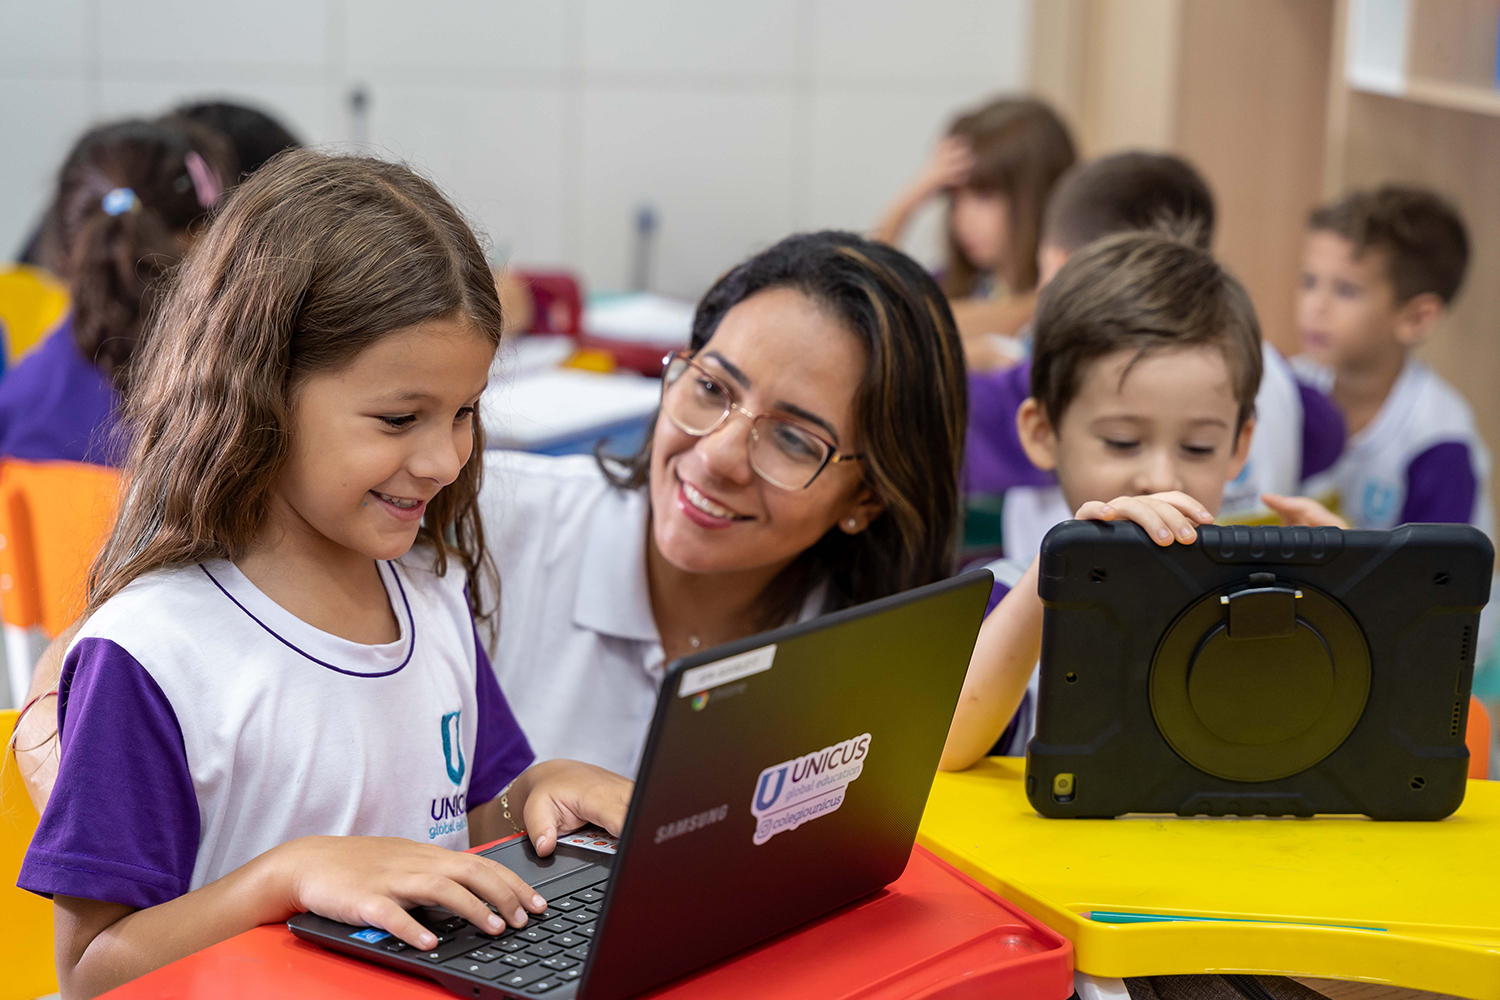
x=1128, y=192
x=256, y=136
x=1141, y=292
x=1421, y=236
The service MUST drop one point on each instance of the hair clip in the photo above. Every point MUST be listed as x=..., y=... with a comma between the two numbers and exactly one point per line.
x=206, y=183
x=119, y=201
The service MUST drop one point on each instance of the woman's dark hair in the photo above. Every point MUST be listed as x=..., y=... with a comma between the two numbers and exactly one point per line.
x=1021, y=147
x=311, y=260
x=113, y=255
x=256, y=135
x=910, y=411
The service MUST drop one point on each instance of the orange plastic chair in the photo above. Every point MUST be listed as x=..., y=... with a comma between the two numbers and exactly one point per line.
x=53, y=519
x=25, y=918
x=1477, y=738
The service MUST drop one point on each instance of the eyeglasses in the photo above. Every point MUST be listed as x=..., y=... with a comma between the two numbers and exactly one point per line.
x=783, y=453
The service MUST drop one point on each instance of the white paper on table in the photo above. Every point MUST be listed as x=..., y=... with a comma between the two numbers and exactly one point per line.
x=536, y=407
x=641, y=318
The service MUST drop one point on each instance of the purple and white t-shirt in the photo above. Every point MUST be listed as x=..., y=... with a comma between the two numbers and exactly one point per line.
x=1420, y=460
x=56, y=406
x=202, y=724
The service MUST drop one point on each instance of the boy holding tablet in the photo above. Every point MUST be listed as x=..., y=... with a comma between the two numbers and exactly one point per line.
x=1147, y=361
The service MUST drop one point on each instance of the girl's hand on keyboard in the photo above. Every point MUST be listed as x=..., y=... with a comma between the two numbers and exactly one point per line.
x=559, y=796
x=373, y=881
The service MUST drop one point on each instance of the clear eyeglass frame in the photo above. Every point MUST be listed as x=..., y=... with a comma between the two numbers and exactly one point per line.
x=680, y=363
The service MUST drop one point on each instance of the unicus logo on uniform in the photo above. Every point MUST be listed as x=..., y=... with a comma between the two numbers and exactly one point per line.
x=807, y=787
x=453, y=747
x=450, y=813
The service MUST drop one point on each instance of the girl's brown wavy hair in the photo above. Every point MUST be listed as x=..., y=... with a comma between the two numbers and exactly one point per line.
x=310, y=261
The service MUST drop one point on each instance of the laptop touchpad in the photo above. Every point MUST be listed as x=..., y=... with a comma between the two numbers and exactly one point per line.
x=535, y=871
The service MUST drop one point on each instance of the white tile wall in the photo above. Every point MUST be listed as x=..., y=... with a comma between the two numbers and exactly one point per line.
x=754, y=41
x=550, y=122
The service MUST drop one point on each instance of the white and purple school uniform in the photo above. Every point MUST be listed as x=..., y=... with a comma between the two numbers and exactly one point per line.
x=56, y=405
x=202, y=724
x=1420, y=460
x=1299, y=434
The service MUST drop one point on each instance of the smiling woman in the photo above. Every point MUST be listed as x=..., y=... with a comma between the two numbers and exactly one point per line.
x=779, y=482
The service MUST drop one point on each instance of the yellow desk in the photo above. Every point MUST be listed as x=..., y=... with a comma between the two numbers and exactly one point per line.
x=1409, y=904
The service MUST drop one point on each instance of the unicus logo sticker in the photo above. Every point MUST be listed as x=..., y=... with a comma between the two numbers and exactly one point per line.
x=453, y=748
x=806, y=788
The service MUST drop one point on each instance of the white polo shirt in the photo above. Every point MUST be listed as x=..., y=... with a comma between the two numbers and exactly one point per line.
x=577, y=653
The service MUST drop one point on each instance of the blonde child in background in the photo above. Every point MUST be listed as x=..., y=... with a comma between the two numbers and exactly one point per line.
x=997, y=166
x=1379, y=271
x=1146, y=364
x=277, y=700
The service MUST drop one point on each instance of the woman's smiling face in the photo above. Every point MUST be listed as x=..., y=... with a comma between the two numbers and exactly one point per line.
x=777, y=352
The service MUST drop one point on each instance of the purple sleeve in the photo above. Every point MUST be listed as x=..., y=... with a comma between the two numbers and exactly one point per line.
x=1323, y=432
x=997, y=594
x=995, y=460
x=500, y=748
x=122, y=823
x=1440, y=486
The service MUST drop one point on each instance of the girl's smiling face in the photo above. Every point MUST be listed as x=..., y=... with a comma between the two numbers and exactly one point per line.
x=776, y=352
x=374, y=441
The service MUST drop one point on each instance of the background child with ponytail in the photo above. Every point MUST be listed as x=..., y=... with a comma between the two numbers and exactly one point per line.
x=277, y=701
x=129, y=199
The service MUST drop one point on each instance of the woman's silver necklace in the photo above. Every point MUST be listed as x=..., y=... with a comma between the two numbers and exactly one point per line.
x=694, y=641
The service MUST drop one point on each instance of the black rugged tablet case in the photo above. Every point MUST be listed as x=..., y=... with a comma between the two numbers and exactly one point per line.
x=1260, y=671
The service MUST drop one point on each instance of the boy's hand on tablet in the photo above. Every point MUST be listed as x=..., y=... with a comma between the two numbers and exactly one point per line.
x=559, y=796
x=1302, y=512
x=373, y=881
x=1167, y=517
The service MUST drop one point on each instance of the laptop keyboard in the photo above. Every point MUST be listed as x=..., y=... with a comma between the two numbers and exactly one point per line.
x=547, y=953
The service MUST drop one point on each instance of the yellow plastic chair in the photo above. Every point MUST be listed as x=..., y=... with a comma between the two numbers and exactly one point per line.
x=53, y=519
x=26, y=963
x=32, y=302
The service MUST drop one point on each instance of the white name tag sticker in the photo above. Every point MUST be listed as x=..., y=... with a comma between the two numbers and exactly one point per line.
x=806, y=788
x=711, y=675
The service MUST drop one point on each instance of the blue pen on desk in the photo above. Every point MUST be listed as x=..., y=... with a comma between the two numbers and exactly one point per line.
x=1113, y=917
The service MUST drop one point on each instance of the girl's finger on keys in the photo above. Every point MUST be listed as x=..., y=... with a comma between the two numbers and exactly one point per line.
x=445, y=891
x=490, y=878
x=383, y=912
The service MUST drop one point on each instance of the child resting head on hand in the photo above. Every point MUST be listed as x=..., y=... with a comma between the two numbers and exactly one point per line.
x=1147, y=359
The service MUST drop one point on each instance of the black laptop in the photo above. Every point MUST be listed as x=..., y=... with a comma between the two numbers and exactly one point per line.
x=784, y=776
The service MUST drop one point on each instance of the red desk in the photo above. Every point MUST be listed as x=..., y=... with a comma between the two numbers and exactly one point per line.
x=932, y=934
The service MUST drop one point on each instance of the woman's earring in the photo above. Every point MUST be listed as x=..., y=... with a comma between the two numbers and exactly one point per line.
x=851, y=525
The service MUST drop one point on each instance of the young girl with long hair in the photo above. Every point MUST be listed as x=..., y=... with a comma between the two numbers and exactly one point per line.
x=997, y=166
x=277, y=701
